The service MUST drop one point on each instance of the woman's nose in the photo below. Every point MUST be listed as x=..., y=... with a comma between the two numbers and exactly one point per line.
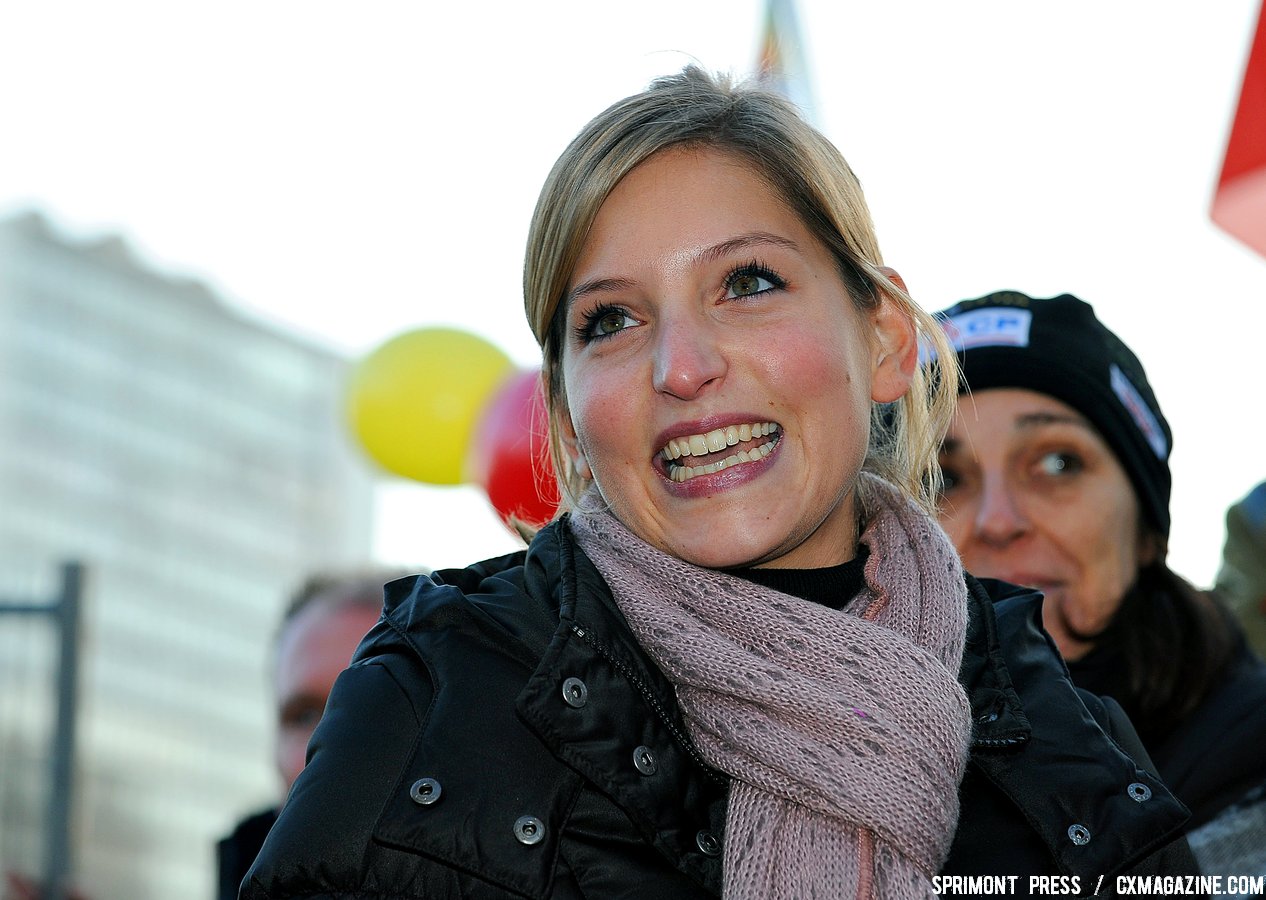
x=1000, y=517
x=687, y=359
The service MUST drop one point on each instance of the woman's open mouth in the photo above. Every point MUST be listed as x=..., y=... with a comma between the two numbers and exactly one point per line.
x=705, y=454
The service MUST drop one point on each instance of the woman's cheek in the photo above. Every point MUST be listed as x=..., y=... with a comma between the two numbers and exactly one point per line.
x=598, y=430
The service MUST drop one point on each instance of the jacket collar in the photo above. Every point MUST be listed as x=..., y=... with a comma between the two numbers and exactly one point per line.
x=998, y=718
x=626, y=709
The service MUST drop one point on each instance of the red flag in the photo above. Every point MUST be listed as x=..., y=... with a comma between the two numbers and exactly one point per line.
x=1239, y=205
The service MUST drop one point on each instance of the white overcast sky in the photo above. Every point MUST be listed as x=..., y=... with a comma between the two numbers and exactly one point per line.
x=354, y=170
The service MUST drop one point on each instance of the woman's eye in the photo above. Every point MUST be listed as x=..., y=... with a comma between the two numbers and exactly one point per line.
x=1059, y=464
x=949, y=480
x=604, y=322
x=301, y=714
x=611, y=322
x=751, y=280
x=746, y=285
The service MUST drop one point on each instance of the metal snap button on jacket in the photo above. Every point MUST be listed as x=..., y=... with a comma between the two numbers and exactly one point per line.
x=529, y=830
x=644, y=760
x=1140, y=792
x=708, y=843
x=425, y=791
x=1079, y=834
x=575, y=692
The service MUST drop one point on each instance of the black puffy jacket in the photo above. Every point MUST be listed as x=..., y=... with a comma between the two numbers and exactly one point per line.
x=501, y=734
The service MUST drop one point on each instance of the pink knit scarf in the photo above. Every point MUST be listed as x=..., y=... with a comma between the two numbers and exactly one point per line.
x=844, y=732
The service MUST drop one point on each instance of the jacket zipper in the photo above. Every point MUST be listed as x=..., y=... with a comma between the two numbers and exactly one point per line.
x=651, y=699
x=996, y=742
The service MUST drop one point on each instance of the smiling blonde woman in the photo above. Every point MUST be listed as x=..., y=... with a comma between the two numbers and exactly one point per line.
x=745, y=661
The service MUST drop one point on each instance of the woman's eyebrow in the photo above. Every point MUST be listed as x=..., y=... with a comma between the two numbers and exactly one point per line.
x=1038, y=419
x=708, y=254
x=598, y=286
x=742, y=242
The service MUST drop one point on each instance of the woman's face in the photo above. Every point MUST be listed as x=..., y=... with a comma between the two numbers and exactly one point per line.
x=1034, y=496
x=718, y=376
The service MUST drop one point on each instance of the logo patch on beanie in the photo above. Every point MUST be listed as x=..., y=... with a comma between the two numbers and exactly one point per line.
x=994, y=326
x=1139, y=411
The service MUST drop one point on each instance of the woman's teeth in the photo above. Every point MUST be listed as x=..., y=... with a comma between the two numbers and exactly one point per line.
x=714, y=442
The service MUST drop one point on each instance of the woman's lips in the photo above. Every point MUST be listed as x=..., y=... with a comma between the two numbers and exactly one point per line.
x=692, y=456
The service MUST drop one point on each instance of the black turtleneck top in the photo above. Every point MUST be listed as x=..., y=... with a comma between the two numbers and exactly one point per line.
x=833, y=586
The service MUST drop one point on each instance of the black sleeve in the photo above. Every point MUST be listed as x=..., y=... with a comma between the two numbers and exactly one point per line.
x=322, y=843
x=1174, y=858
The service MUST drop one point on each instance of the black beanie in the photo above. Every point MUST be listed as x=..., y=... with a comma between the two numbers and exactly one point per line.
x=1056, y=346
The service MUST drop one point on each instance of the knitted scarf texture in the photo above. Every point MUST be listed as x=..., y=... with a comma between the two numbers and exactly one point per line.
x=844, y=732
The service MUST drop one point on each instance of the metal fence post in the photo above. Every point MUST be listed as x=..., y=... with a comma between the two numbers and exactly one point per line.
x=57, y=861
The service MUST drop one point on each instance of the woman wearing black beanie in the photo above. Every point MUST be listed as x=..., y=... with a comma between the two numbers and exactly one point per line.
x=1057, y=476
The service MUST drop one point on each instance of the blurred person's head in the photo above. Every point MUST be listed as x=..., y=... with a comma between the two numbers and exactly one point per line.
x=326, y=619
x=1056, y=476
x=1056, y=471
x=1241, y=578
x=690, y=128
x=1056, y=466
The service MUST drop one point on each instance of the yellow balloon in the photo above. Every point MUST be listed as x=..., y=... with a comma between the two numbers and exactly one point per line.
x=414, y=402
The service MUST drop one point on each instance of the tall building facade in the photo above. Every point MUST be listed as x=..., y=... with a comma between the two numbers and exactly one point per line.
x=196, y=462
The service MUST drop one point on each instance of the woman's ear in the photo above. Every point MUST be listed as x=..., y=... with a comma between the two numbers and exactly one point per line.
x=571, y=446
x=896, y=346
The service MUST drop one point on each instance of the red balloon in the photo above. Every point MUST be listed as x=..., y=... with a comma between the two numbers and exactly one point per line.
x=510, y=455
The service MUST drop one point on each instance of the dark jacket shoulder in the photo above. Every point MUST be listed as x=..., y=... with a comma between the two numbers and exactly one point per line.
x=492, y=738
x=1215, y=758
x=1055, y=759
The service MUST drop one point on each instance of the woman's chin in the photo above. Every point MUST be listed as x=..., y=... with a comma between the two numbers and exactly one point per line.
x=710, y=556
x=1070, y=648
x=1072, y=637
x=743, y=548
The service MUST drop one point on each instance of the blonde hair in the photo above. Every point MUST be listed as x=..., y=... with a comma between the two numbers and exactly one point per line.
x=696, y=109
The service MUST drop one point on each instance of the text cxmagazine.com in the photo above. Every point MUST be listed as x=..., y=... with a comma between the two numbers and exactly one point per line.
x=1124, y=885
